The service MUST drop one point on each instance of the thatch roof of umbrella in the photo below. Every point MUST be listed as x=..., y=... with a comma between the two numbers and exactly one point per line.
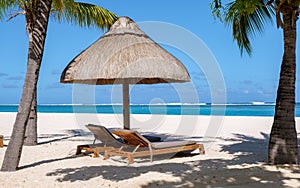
x=124, y=52
x=124, y=55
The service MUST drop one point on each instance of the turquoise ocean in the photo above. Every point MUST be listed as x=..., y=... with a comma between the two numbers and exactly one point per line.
x=251, y=109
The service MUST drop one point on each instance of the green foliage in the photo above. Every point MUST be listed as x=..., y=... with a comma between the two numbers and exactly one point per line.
x=5, y=6
x=246, y=18
x=217, y=8
x=82, y=14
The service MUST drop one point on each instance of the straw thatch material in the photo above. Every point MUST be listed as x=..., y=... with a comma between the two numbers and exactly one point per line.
x=124, y=53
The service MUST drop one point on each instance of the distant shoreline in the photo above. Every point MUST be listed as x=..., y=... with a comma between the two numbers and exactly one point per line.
x=162, y=104
x=155, y=104
x=257, y=109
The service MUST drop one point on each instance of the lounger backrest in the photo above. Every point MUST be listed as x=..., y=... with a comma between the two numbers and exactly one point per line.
x=103, y=134
x=131, y=137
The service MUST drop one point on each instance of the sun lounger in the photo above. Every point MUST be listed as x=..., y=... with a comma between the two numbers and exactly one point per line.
x=108, y=141
x=133, y=138
x=101, y=133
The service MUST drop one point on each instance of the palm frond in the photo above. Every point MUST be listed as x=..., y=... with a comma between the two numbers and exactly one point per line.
x=217, y=8
x=58, y=5
x=5, y=6
x=82, y=14
x=247, y=18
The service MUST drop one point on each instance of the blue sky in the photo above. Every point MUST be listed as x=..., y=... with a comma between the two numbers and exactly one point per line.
x=246, y=78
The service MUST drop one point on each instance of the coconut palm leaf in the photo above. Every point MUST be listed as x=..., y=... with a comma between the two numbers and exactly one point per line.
x=82, y=14
x=216, y=7
x=247, y=18
x=6, y=5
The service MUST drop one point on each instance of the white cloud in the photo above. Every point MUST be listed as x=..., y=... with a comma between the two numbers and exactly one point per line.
x=15, y=78
x=9, y=85
x=3, y=74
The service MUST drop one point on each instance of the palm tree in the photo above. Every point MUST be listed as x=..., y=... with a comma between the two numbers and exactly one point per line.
x=82, y=14
x=37, y=13
x=246, y=17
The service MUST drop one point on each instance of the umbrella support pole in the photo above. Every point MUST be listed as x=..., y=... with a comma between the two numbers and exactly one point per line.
x=126, y=110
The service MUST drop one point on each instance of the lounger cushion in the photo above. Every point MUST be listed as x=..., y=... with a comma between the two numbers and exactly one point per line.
x=153, y=138
x=167, y=144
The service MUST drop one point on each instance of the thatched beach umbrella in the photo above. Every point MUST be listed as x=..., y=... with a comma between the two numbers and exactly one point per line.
x=124, y=55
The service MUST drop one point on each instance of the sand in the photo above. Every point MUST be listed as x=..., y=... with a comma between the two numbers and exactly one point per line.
x=236, y=154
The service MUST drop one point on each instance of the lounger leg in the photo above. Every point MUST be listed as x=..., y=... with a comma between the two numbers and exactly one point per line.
x=78, y=151
x=79, y=148
x=106, y=155
x=87, y=148
x=130, y=159
x=1, y=141
x=201, y=149
x=96, y=154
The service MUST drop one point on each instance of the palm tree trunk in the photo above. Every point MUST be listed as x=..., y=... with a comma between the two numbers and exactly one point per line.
x=35, y=54
x=30, y=138
x=283, y=148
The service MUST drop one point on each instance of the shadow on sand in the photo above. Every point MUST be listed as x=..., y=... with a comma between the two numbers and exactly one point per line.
x=201, y=173
x=58, y=137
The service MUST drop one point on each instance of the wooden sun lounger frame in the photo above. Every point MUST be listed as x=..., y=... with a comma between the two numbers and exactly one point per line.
x=1, y=141
x=133, y=138
x=131, y=155
x=104, y=135
x=93, y=149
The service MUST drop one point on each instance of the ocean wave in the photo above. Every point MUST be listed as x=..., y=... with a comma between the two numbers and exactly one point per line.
x=255, y=103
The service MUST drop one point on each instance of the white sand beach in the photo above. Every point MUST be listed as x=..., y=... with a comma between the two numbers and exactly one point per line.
x=236, y=154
